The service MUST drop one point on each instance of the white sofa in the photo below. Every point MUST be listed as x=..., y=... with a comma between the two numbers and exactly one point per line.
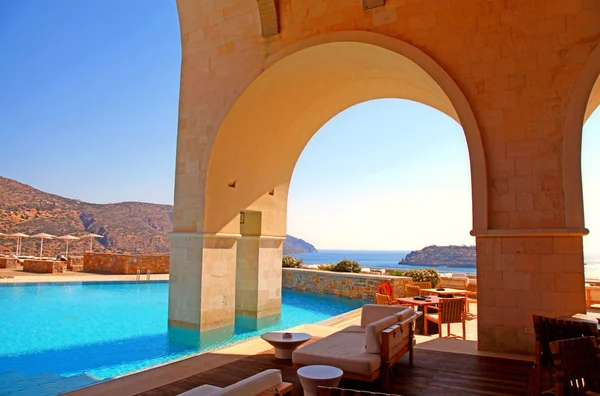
x=367, y=351
x=251, y=386
x=454, y=281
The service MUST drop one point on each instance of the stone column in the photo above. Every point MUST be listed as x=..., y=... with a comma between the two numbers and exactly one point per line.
x=258, y=283
x=202, y=284
x=521, y=275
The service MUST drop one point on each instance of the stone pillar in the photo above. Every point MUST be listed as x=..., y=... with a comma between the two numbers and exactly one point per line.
x=202, y=284
x=258, y=276
x=519, y=276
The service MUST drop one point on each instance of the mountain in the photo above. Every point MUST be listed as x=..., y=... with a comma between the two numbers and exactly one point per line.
x=293, y=245
x=126, y=227
x=434, y=256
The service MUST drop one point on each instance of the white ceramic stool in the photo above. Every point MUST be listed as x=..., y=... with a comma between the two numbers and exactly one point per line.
x=312, y=377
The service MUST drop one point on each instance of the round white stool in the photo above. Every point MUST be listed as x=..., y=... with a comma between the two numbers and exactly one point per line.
x=312, y=377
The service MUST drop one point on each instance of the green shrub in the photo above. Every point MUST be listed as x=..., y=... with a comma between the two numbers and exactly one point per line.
x=291, y=262
x=419, y=275
x=346, y=266
x=326, y=267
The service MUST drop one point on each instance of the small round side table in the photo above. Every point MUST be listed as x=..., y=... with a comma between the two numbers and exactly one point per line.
x=284, y=347
x=312, y=377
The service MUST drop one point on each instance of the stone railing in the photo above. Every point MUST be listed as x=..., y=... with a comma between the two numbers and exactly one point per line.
x=44, y=266
x=8, y=262
x=125, y=264
x=342, y=284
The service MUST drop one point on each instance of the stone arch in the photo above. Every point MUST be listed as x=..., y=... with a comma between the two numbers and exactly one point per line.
x=302, y=87
x=585, y=98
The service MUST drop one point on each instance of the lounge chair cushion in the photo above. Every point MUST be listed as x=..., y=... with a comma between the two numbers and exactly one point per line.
x=249, y=386
x=204, y=390
x=373, y=333
x=344, y=350
x=254, y=385
x=372, y=312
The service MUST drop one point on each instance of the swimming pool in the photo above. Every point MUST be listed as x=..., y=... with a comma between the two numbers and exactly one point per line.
x=95, y=331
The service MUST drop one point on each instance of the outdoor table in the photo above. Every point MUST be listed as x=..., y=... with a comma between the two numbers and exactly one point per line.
x=312, y=377
x=446, y=292
x=284, y=347
x=420, y=304
x=582, y=318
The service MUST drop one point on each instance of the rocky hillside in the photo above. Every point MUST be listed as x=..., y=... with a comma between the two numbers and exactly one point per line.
x=434, y=256
x=126, y=227
x=293, y=245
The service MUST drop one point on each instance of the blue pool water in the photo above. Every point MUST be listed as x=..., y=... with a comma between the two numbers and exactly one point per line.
x=109, y=329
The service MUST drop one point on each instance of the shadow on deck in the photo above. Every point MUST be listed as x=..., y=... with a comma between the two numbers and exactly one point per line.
x=433, y=373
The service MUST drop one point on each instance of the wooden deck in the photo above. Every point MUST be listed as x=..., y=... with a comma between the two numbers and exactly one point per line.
x=433, y=373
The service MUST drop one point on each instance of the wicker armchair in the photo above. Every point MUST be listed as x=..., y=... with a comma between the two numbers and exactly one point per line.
x=471, y=295
x=384, y=299
x=450, y=310
x=548, y=330
x=576, y=366
x=412, y=291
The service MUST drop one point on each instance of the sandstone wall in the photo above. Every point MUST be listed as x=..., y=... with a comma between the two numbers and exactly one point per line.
x=125, y=264
x=347, y=285
x=44, y=266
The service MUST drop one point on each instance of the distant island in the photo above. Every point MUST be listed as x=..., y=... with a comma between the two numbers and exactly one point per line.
x=441, y=256
x=126, y=227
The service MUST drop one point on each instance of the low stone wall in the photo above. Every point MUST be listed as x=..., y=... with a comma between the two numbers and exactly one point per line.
x=6, y=262
x=75, y=263
x=125, y=264
x=342, y=284
x=44, y=266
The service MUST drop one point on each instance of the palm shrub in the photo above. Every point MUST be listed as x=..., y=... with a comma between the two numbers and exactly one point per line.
x=288, y=261
x=419, y=275
x=346, y=266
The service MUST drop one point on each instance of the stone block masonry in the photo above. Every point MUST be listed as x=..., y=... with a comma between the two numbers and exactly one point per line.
x=44, y=266
x=7, y=262
x=342, y=284
x=125, y=264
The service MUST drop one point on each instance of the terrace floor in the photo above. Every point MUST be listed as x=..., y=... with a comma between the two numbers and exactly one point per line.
x=433, y=373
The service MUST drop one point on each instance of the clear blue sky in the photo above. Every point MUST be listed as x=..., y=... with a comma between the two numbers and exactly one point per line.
x=88, y=110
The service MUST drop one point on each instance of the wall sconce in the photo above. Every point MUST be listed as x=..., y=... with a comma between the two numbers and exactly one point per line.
x=242, y=217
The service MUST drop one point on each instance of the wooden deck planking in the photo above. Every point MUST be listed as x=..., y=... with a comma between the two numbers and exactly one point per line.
x=433, y=373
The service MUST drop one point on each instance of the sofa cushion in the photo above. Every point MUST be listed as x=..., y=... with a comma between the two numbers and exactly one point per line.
x=354, y=329
x=344, y=350
x=405, y=314
x=373, y=312
x=373, y=333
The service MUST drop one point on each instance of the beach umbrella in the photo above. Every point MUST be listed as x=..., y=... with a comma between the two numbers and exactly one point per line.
x=67, y=238
x=91, y=237
x=42, y=236
x=19, y=236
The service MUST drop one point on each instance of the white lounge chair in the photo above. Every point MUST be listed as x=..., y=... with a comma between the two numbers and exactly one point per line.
x=367, y=351
x=260, y=384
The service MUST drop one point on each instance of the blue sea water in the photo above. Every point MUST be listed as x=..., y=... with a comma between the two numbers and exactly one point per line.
x=388, y=259
x=110, y=329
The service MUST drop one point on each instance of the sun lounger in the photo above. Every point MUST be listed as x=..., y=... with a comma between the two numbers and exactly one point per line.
x=263, y=383
x=367, y=351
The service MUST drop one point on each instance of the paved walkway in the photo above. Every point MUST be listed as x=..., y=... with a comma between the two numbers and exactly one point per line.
x=18, y=276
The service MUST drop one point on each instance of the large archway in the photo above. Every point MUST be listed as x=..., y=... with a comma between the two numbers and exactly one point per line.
x=269, y=125
x=257, y=146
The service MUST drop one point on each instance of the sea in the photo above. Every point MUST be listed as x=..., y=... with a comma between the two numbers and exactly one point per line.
x=388, y=259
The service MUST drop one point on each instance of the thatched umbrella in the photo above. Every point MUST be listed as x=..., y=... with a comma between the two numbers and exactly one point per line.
x=19, y=236
x=67, y=238
x=42, y=236
x=91, y=237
